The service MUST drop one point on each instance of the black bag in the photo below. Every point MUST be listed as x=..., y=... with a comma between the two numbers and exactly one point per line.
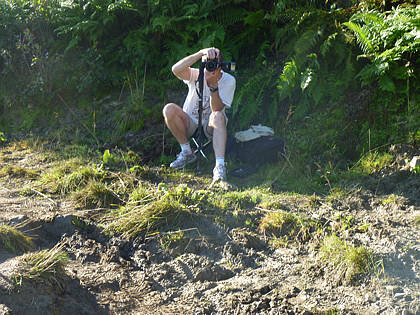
x=254, y=153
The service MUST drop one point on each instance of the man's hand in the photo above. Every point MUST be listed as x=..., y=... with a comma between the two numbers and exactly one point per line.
x=211, y=77
x=210, y=53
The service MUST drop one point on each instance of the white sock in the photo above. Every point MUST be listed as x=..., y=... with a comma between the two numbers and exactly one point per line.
x=186, y=148
x=220, y=161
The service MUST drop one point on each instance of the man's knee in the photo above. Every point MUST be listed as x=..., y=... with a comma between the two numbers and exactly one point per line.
x=217, y=119
x=169, y=110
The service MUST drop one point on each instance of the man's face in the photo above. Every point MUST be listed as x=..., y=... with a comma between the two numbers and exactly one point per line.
x=212, y=77
x=213, y=73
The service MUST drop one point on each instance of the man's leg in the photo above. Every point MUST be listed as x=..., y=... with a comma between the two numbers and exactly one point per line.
x=178, y=123
x=217, y=126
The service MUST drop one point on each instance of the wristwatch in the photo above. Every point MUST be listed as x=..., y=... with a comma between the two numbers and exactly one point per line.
x=212, y=89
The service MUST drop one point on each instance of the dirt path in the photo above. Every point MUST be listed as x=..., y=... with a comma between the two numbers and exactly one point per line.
x=222, y=269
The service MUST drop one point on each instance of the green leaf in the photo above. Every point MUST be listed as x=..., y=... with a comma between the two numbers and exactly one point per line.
x=106, y=157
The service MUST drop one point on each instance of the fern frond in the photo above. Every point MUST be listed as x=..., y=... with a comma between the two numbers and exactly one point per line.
x=306, y=42
x=249, y=100
x=288, y=79
x=361, y=36
x=328, y=43
x=369, y=17
x=229, y=16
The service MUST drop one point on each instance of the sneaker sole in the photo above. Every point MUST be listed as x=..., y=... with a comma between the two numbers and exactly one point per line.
x=181, y=167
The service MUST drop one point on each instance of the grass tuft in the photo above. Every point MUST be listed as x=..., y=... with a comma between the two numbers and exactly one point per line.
x=282, y=225
x=95, y=195
x=71, y=177
x=46, y=266
x=349, y=260
x=14, y=240
x=167, y=208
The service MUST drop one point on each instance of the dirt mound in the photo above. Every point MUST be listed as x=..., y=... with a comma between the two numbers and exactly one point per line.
x=221, y=265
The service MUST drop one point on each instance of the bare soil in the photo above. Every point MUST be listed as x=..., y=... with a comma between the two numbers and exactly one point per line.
x=220, y=267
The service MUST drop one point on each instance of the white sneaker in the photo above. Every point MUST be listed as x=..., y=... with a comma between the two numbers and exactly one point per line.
x=182, y=160
x=219, y=173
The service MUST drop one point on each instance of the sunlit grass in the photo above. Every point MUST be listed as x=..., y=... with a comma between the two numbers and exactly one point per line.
x=70, y=177
x=282, y=224
x=349, y=260
x=18, y=172
x=14, y=240
x=373, y=162
x=42, y=266
x=145, y=219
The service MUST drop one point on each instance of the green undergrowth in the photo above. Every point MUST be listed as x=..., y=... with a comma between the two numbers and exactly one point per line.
x=372, y=162
x=45, y=266
x=13, y=240
x=350, y=262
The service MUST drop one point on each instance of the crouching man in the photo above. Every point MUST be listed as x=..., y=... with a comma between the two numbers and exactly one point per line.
x=219, y=88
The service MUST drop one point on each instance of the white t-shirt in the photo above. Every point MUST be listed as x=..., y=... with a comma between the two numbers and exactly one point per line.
x=226, y=85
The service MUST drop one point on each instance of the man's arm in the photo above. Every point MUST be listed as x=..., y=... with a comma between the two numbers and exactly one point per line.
x=182, y=68
x=216, y=102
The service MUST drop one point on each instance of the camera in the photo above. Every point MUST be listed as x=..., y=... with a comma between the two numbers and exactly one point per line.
x=213, y=64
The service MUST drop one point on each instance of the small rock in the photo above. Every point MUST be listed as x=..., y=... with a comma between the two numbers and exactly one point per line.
x=399, y=295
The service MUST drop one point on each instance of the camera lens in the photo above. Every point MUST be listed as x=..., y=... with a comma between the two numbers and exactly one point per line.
x=211, y=65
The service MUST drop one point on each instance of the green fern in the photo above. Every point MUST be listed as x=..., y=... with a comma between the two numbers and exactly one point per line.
x=362, y=37
x=253, y=102
x=288, y=80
